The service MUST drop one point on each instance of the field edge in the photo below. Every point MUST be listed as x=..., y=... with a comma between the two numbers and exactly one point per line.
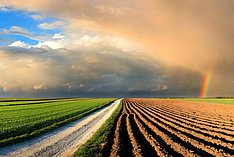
x=98, y=142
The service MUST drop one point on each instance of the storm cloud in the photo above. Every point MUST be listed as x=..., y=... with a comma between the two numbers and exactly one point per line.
x=180, y=40
x=105, y=72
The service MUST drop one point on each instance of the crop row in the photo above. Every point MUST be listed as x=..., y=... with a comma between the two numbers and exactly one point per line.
x=148, y=128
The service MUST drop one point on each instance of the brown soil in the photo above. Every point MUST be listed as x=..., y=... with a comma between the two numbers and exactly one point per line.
x=154, y=127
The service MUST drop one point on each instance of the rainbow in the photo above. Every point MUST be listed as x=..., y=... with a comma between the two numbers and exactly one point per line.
x=205, y=85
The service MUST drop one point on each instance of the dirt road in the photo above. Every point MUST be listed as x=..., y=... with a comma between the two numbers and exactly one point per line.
x=63, y=141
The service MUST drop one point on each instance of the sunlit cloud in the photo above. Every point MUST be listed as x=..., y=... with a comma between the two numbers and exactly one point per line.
x=50, y=44
x=19, y=44
x=58, y=36
x=52, y=25
x=179, y=40
x=37, y=17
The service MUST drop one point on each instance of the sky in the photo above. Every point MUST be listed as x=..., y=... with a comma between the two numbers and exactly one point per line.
x=124, y=48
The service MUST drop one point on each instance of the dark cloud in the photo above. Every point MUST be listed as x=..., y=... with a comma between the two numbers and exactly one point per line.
x=94, y=73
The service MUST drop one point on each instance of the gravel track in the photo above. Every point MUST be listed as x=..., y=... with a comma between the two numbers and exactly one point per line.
x=63, y=141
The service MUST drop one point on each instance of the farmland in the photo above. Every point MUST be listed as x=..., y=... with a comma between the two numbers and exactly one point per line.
x=157, y=127
x=22, y=119
x=138, y=127
x=213, y=100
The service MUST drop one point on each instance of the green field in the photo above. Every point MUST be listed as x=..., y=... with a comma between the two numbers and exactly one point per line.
x=212, y=100
x=14, y=102
x=23, y=119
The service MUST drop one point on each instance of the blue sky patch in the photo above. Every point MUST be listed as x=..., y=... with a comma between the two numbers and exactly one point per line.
x=24, y=20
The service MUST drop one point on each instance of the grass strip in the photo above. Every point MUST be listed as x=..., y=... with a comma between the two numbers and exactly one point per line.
x=211, y=100
x=94, y=147
x=49, y=128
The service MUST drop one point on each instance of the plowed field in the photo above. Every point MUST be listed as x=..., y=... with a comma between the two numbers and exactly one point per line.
x=154, y=127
